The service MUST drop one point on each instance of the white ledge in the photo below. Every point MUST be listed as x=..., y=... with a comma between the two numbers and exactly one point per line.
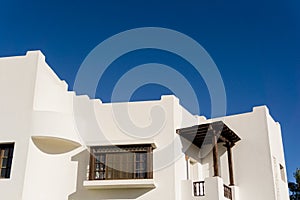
x=115, y=184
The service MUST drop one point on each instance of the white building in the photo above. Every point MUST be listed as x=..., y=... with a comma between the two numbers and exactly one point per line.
x=55, y=145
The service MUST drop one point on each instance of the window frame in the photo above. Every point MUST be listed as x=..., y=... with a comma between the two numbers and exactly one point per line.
x=130, y=154
x=6, y=153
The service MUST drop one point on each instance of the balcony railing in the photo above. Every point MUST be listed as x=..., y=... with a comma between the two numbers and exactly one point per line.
x=227, y=192
x=198, y=188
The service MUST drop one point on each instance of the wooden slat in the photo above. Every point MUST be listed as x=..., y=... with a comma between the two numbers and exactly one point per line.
x=199, y=134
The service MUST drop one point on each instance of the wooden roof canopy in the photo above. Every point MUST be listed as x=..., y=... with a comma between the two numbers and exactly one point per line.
x=203, y=134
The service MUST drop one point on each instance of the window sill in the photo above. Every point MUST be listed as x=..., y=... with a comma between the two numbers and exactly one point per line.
x=117, y=184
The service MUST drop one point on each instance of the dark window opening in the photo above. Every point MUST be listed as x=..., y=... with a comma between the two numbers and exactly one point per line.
x=6, y=155
x=282, y=173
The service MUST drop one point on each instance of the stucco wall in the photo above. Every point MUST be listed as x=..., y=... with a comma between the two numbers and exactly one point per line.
x=35, y=103
x=17, y=80
x=252, y=155
x=47, y=123
x=168, y=158
x=276, y=147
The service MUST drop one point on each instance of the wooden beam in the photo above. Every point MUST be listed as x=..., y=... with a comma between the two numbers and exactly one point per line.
x=230, y=164
x=92, y=167
x=223, y=138
x=187, y=167
x=215, y=156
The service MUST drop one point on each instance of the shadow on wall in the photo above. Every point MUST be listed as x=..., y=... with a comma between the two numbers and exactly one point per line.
x=95, y=194
x=202, y=155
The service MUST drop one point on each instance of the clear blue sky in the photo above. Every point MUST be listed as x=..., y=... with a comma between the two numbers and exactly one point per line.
x=255, y=45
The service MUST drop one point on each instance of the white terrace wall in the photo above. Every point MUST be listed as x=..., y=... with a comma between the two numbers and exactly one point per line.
x=279, y=168
x=253, y=155
x=47, y=122
x=53, y=108
x=35, y=103
x=17, y=81
x=48, y=118
x=256, y=157
x=49, y=173
x=155, y=121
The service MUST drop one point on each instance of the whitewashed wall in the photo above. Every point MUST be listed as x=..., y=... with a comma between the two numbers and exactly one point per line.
x=17, y=80
x=47, y=123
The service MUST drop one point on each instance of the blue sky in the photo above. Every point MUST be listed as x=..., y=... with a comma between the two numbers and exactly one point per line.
x=255, y=45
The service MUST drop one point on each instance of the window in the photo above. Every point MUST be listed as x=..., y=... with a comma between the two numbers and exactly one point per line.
x=6, y=155
x=282, y=173
x=121, y=162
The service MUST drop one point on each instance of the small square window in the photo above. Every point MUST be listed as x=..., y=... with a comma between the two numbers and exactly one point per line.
x=6, y=155
x=282, y=173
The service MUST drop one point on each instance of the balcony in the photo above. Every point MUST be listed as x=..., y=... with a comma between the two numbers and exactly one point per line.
x=198, y=188
x=118, y=184
x=227, y=192
x=120, y=166
x=212, y=188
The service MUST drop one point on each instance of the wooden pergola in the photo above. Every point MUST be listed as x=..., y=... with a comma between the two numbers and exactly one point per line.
x=213, y=133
